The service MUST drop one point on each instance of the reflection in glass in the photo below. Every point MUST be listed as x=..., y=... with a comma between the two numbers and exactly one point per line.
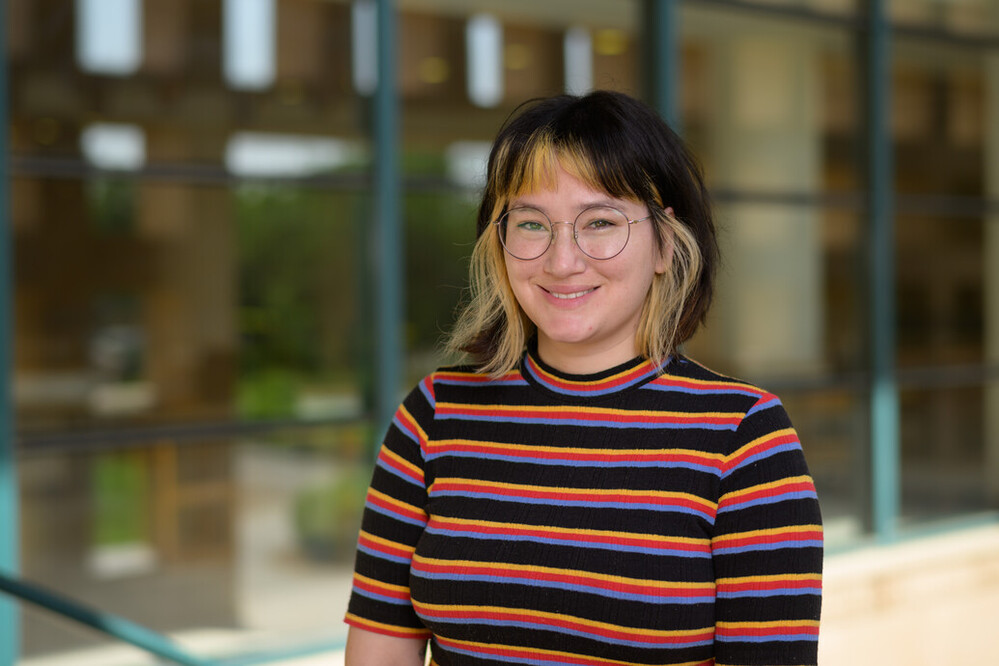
x=249, y=56
x=484, y=52
x=109, y=36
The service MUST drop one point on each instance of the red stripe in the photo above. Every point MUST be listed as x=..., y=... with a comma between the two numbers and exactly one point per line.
x=557, y=495
x=634, y=588
x=383, y=548
x=390, y=462
x=560, y=657
x=770, y=492
x=381, y=591
x=565, y=624
x=597, y=385
x=394, y=508
x=767, y=631
x=764, y=446
x=769, y=585
x=637, y=456
x=588, y=538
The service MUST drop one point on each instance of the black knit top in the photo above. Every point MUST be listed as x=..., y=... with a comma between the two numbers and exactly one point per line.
x=641, y=515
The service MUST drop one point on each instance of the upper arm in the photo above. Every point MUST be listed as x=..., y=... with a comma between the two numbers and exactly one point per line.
x=367, y=648
x=767, y=546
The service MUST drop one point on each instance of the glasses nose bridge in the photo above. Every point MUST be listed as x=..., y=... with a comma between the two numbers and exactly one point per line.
x=572, y=226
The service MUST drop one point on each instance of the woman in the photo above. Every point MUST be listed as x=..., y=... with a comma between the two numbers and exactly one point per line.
x=580, y=492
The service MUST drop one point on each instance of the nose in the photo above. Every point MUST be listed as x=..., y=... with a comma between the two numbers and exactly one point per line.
x=564, y=257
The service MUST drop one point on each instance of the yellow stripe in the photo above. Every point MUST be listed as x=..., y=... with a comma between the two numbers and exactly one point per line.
x=773, y=531
x=580, y=492
x=580, y=532
x=772, y=485
x=393, y=501
x=562, y=617
x=790, y=578
x=503, y=447
x=416, y=633
x=386, y=542
x=759, y=441
x=527, y=568
x=558, y=653
x=772, y=624
x=377, y=583
x=725, y=382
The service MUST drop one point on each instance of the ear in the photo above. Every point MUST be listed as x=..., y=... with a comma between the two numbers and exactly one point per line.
x=665, y=258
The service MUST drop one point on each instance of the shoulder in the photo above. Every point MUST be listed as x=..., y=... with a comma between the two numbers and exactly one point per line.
x=687, y=377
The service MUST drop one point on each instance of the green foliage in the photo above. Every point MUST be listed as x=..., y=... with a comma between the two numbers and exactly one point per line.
x=120, y=491
x=327, y=518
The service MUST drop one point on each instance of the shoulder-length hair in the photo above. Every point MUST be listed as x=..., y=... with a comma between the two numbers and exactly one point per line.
x=614, y=143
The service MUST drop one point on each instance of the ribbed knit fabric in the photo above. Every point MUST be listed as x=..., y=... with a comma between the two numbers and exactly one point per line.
x=636, y=516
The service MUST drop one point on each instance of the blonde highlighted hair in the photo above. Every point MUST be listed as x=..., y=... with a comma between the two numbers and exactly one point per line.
x=612, y=143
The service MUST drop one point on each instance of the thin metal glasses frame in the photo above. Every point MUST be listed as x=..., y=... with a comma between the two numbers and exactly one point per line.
x=575, y=232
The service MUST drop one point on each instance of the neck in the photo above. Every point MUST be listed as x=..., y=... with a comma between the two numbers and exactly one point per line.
x=575, y=359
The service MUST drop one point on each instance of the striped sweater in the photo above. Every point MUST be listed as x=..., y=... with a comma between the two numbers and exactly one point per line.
x=641, y=515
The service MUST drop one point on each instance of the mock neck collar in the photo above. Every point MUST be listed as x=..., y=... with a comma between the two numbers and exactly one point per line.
x=614, y=380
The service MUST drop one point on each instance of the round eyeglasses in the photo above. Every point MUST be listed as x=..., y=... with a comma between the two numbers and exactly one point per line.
x=600, y=232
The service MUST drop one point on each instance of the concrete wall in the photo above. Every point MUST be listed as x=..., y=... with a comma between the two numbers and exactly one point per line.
x=927, y=601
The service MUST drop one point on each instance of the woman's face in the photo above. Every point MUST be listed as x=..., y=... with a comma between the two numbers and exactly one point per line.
x=586, y=310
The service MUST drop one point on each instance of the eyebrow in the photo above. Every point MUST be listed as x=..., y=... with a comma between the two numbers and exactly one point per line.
x=609, y=202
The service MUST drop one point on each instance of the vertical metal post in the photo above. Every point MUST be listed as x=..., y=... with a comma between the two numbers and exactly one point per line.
x=884, y=402
x=10, y=629
x=661, y=51
x=388, y=227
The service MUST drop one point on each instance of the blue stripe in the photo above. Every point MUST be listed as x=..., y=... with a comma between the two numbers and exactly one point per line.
x=567, y=502
x=756, y=457
x=501, y=657
x=784, y=497
x=666, y=464
x=734, y=550
x=563, y=630
x=766, y=639
x=761, y=406
x=664, y=552
x=392, y=514
x=795, y=591
x=561, y=585
x=383, y=556
x=426, y=394
x=404, y=430
x=494, y=382
x=395, y=472
x=382, y=597
x=543, y=420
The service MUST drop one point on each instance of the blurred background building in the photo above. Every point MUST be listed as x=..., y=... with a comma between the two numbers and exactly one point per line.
x=206, y=323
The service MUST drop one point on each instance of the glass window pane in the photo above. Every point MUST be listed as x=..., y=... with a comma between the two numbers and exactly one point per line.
x=948, y=451
x=968, y=17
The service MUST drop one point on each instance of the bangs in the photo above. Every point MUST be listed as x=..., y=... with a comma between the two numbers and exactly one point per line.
x=534, y=165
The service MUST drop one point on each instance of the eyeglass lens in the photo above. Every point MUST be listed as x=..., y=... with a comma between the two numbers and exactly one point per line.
x=601, y=233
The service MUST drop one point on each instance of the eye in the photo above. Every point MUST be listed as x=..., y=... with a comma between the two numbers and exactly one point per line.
x=600, y=223
x=531, y=225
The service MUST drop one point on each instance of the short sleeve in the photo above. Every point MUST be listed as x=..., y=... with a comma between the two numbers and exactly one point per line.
x=394, y=519
x=767, y=546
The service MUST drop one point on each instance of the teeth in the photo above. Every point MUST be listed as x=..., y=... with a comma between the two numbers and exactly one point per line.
x=575, y=294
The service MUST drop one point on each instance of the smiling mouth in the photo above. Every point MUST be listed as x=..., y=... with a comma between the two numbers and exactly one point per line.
x=570, y=296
